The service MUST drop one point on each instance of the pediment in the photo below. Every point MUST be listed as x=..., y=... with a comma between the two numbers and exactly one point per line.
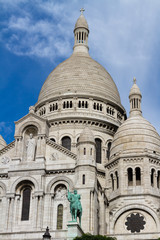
x=31, y=119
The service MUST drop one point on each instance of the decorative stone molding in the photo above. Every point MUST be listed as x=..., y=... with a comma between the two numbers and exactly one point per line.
x=133, y=160
x=4, y=175
x=112, y=164
x=59, y=171
x=7, y=148
x=101, y=124
x=154, y=161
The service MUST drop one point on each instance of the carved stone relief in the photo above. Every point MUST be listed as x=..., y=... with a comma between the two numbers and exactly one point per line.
x=5, y=160
x=54, y=157
x=61, y=192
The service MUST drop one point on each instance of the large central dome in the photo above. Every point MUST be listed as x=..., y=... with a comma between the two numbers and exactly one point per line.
x=80, y=75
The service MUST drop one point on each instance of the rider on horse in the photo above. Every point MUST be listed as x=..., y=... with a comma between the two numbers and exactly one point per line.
x=75, y=205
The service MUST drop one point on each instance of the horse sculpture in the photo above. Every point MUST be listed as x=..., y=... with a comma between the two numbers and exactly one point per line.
x=75, y=206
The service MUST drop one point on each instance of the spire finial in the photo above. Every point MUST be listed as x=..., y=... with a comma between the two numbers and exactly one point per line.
x=82, y=10
x=134, y=80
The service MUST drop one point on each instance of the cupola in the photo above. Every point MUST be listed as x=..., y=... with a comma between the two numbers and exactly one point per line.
x=135, y=99
x=81, y=32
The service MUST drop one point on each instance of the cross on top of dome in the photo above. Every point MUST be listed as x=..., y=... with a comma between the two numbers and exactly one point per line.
x=134, y=80
x=82, y=10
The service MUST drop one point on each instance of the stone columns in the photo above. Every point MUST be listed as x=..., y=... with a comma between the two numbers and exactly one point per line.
x=18, y=148
x=38, y=210
x=35, y=212
x=9, y=212
x=47, y=208
x=134, y=179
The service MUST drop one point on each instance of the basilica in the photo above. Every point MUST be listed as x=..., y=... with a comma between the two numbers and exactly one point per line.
x=78, y=137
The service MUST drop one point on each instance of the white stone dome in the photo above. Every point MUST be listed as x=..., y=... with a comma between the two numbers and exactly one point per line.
x=136, y=134
x=79, y=75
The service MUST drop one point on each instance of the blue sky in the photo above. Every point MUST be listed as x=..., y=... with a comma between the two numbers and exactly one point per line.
x=35, y=36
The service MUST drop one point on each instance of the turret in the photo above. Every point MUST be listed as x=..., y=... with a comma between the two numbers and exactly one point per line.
x=86, y=148
x=81, y=32
x=86, y=180
x=135, y=100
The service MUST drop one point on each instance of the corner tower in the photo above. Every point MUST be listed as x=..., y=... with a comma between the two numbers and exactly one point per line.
x=133, y=175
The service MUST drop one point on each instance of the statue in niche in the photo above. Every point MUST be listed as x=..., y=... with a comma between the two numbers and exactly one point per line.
x=31, y=148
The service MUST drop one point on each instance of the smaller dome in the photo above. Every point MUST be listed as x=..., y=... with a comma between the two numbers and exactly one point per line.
x=2, y=142
x=135, y=135
x=86, y=136
x=81, y=23
x=135, y=89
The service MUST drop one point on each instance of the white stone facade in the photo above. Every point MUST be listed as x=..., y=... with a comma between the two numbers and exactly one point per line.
x=82, y=141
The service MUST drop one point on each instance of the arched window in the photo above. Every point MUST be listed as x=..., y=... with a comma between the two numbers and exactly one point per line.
x=79, y=104
x=84, y=151
x=53, y=139
x=83, y=179
x=66, y=142
x=158, y=179
x=152, y=177
x=138, y=176
x=108, y=150
x=91, y=151
x=112, y=179
x=26, y=196
x=60, y=216
x=98, y=150
x=64, y=105
x=117, y=179
x=130, y=177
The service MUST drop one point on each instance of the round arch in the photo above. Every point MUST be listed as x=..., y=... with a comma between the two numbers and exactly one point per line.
x=3, y=186
x=59, y=179
x=31, y=179
x=28, y=124
x=136, y=207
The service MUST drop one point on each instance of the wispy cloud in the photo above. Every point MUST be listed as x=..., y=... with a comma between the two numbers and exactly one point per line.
x=31, y=36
